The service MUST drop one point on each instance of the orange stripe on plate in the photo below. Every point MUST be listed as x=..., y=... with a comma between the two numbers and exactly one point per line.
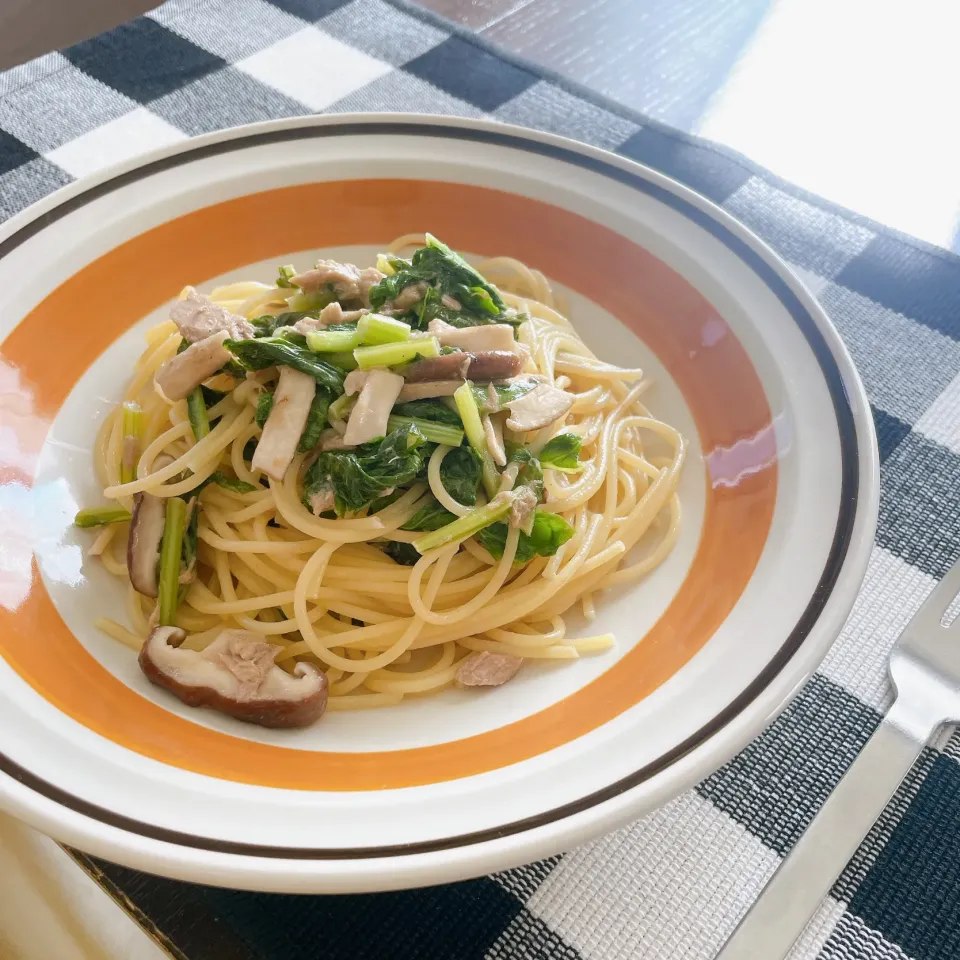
x=90, y=310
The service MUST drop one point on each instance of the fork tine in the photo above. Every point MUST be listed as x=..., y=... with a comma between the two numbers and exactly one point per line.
x=929, y=615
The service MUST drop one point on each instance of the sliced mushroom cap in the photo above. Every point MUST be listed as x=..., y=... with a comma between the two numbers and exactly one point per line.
x=491, y=336
x=288, y=416
x=486, y=669
x=539, y=408
x=369, y=416
x=353, y=382
x=427, y=390
x=182, y=373
x=235, y=675
x=143, y=542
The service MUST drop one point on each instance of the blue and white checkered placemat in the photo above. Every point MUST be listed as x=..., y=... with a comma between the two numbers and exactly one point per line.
x=671, y=886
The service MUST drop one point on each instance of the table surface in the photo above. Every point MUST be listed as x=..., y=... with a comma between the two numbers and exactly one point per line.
x=807, y=88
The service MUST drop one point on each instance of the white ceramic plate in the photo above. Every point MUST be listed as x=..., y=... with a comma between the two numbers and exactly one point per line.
x=779, y=497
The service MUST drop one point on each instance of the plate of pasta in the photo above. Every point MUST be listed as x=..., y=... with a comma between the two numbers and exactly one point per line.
x=390, y=500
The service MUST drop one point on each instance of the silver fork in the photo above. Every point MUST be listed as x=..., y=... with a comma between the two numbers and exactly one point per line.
x=925, y=671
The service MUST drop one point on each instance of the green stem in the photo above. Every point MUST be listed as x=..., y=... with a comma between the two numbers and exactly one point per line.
x=467, y=525
x=99, y=516
x=393, y=354
x=346, y=361
x=197, y=412
x=433, y=431
x=132, y=424
x=170, y=551
x=374, y=328
x=473, y=425
x=332, y=341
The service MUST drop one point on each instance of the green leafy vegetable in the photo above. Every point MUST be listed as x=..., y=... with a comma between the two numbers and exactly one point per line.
x=211, y=397
x=435, y=410
x=345, y=361
x=473, y=426
x=249, y=449
x=259, y=354
x=316, y=420
x=460, y=473
x=506, y=393
x=402, y=553
x=98, y=516
x=433, y=431
x=268, y=324
x=285, y=275
x=264, y=406
x=562, y=453
x=550, y=532
x=431, y=516
x=446, y=274
x=385, y=501
x=312, y=301
x=361, y=476
x=231, y=483
x=467, y=525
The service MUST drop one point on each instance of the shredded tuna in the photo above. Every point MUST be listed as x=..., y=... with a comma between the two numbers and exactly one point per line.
x=486, y=669
x=198, y=317
x=407, y=298
x=522, y=507
x=344, y=280
x=322, y=501
x=247, y=656
x=184, y=372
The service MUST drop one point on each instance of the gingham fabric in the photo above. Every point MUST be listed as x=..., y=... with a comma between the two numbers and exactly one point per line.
x=671, y=886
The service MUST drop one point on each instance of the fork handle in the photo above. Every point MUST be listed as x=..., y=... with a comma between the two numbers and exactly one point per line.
x=806, y=874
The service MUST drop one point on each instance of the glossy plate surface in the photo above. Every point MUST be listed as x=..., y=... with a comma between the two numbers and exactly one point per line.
x=779, y=499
